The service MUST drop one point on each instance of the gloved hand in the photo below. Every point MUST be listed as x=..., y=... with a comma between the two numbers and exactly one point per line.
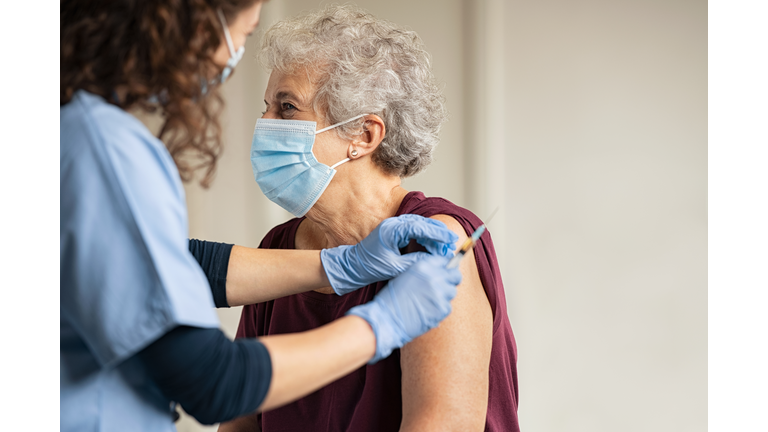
x=378, y=258
x=410, y=304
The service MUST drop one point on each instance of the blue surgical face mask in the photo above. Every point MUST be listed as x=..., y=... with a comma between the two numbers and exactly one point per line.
x=234, y=56
x=285, y=167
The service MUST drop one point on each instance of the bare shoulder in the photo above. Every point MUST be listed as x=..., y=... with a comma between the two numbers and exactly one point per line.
x=452, y=225
x=445, y=371
x=471, y=305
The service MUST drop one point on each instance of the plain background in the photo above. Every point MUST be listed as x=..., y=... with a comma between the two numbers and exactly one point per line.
x=603, y=56
x=585, y=121
x=737, y=234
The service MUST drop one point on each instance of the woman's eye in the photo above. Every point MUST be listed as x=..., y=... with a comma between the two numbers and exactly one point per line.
x=287, y=106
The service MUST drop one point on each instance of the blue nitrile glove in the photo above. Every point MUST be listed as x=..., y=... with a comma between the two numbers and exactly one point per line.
x=410, y=304
x=378, y=258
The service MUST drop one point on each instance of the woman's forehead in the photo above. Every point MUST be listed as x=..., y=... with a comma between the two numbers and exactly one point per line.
x=297, y=85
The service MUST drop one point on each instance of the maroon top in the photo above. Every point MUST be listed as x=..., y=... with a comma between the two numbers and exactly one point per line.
x=369, y=398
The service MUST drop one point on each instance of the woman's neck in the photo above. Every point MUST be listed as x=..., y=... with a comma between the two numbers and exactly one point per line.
x=347, y=214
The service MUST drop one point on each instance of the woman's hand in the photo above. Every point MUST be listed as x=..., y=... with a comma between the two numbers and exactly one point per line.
x=378, y=257
x=410, y=305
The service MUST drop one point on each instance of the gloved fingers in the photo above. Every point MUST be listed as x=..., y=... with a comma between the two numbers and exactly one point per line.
x=434, y=266
x=450, y=294
x=436, y=262
x=446, y=311
x=437, y=248
x=411, y=217
x=405, y=262
x=453, y=276
x=440, y=309
x=423, y=229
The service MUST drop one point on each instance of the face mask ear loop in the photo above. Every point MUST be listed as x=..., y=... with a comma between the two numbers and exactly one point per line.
x=230, y=45
x=337, y=164
x=340, y=123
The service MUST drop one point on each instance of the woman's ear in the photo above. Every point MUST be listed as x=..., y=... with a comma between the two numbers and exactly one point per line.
x=373, y=134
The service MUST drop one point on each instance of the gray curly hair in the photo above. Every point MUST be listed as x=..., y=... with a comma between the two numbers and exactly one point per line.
x=365, y=65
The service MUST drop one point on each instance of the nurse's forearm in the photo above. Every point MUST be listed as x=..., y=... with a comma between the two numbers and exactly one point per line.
x=257, y=275
x=305, y=362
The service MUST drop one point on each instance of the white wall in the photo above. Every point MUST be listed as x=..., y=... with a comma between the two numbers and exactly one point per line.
x=586, y=122
x=607, y=182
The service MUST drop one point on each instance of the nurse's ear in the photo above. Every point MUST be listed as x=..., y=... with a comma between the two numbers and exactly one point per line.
x=365, y=143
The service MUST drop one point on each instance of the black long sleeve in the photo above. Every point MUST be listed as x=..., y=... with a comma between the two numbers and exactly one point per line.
x=214, y=260
x=211, y=377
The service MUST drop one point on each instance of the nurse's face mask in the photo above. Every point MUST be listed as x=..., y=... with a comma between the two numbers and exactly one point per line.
x=285, y=167
x=234, y=56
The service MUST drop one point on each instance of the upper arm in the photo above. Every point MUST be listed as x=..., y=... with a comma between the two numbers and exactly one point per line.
x=445, y=371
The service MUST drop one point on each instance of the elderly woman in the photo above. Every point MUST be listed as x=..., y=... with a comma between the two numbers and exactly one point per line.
x=352, y=108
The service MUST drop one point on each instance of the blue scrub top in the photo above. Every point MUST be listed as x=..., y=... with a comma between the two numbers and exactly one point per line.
x=127, y=276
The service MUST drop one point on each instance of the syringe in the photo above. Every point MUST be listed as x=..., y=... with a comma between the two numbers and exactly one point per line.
x=469, y=243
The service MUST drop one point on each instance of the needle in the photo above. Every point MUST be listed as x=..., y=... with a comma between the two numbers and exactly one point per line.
x=469, y=243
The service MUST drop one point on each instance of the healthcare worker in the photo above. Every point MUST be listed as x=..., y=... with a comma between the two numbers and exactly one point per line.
x=138, y=333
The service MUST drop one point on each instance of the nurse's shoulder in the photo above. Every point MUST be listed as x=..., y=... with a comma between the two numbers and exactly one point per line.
x=96, y=133
x=88, y=120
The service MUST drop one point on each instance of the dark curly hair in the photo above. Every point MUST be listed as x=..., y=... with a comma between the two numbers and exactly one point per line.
x=161, y=52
